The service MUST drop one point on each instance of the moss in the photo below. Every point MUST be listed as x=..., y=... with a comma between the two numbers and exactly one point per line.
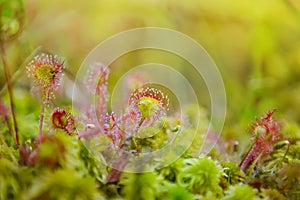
x=200, y=176
x=272, y=194
x=240, y=191
x=139, y=186
x=62, y=184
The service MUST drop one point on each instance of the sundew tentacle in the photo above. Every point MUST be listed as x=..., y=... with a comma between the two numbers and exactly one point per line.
x=46, y=72
x=265, y=132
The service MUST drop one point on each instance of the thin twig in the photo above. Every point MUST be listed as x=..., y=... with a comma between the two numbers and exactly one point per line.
x=46, y=99
x=42, y=119
x=10, y=91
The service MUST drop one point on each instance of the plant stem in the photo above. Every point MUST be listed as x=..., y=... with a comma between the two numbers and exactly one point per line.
x=117, y=168
x=10, y=92
x=45, y=101
x=247, y=158
x=42, y=119
x=6, y=118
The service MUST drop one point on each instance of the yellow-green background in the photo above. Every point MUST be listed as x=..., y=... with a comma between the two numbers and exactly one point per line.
x=254, y=43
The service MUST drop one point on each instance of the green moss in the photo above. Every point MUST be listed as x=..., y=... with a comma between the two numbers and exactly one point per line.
x=200, y=176
x=9, y=185
x=178, y=193
x=272, y=194
x=240, y=191
x=232, y=173
x=62, y=184
x=139, y=186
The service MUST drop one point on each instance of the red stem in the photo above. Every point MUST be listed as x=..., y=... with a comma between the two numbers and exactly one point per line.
x=118, y=165
x=10, y=92
x=249, y=157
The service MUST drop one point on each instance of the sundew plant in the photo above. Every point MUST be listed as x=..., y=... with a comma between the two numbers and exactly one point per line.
x=61, y=137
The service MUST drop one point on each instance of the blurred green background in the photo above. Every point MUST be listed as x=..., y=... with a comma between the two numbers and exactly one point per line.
x=255, y=44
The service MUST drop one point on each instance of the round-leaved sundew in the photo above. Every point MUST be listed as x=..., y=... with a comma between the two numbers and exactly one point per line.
x=46, y=72
x=148, y=101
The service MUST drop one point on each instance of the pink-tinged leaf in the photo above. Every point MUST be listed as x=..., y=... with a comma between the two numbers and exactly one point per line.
x=147, y=105
x=266, y=132
x=63, y=119
x=46, y=71
x=96, y=84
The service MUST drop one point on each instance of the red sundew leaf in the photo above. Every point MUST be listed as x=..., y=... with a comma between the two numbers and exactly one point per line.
x=62, y=119
x=96, y=84
x=266, y=132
